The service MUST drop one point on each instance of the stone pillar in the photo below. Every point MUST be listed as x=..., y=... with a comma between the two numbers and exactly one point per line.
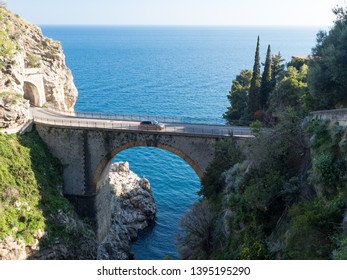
x=72, y=148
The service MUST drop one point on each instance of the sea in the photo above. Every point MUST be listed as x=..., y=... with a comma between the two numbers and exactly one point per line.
x=175, y=71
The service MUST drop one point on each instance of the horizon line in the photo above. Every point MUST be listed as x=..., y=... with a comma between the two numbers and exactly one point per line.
x=178, y=25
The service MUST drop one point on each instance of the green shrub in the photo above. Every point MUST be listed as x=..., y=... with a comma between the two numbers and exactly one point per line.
x=198, y=226
x=341, y=251
x=327, y=172
x=256, y=126
x=226, y=155
x=33, y=61
x=321, y=138
x=7, y=46
x=313, y=225
x=329, y=164
x=255, y=251
x=10, y=97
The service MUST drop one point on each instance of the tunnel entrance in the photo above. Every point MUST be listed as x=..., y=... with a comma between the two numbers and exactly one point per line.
x=31, y=93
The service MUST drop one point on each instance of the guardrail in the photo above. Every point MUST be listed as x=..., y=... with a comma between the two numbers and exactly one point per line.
x=120, y=117
x=128, y=117
x=170, y=128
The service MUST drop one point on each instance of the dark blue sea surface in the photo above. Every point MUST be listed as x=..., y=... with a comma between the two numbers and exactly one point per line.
x=169, y=71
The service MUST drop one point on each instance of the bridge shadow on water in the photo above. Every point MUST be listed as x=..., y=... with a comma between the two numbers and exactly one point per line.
x=174, y=184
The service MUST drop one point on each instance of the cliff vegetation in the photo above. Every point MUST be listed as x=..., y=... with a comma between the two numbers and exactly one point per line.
x=283, y=194
x=36, y=221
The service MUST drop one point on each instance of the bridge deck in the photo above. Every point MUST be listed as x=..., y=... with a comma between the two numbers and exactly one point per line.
x=120, y=122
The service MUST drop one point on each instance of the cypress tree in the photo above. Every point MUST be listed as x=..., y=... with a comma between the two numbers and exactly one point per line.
x=253, y=103
x=266, y=81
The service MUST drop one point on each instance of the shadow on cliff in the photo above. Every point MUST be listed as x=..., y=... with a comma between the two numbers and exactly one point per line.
x=65, y=235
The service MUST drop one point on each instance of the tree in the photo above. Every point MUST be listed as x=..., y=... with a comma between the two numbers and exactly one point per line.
x=238, y=97
x=266, y=81
x=198, y=225
x=297, y=62
x=277, y=67
x=253, y=103
x=226, y=155
x=328, y=67
x=291, y=91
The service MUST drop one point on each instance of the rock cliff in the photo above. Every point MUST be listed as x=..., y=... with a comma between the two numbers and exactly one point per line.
x=133, y=210
x=14, y=110
x=33, y=67
x=83, y=248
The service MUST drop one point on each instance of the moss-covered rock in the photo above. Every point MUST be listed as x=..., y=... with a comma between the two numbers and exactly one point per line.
x=36, y=221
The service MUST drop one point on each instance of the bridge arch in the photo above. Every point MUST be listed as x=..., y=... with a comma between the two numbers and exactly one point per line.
x=87, y=153
x=102, y=170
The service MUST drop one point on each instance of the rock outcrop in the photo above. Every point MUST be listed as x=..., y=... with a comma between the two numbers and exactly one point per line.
x=14, y=110
x=133, y=210
x=32, y=66
x=11, y=249
x=82, y=245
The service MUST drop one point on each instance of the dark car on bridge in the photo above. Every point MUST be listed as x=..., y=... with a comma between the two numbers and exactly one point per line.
x=151, y=125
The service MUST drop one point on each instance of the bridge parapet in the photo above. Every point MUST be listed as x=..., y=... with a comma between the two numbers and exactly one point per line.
x=122, y=117
x=130, y=123
x=136, y=117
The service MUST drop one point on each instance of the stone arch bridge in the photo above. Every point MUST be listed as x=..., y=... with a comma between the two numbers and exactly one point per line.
x=86, y=145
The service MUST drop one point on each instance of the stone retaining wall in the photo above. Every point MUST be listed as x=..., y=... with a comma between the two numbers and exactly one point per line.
x=337, y=115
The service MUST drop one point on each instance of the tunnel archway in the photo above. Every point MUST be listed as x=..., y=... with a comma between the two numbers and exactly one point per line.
x=31, y=93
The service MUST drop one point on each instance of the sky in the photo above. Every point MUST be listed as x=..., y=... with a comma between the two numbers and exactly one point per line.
x=176, y=12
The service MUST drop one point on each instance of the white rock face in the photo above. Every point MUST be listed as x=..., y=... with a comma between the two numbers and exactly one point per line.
x=14, y=110
x=12, y=250
x=30, y=52
x=134, y=209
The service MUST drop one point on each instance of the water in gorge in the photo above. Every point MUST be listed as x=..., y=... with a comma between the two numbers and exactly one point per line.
x=167, y=71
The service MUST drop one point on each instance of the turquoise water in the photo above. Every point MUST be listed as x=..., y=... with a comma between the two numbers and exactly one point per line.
x=170, y=71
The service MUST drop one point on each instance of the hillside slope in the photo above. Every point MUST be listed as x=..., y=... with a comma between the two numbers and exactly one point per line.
x=36, y=221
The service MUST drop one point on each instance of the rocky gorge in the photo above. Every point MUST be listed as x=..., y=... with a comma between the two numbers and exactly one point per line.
x=133, y=210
